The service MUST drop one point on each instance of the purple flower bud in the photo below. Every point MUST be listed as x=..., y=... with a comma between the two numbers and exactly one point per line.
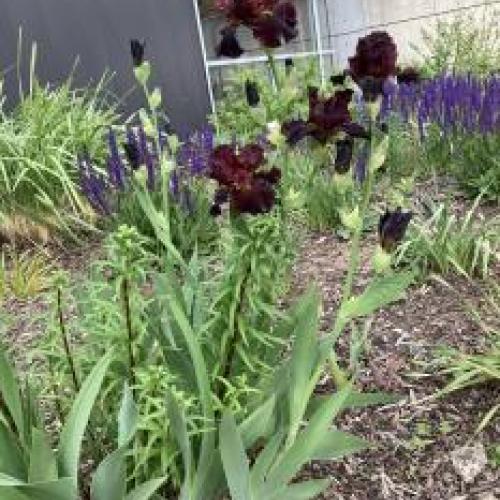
x=137, y=51
x=132, y=150
x=392, y=228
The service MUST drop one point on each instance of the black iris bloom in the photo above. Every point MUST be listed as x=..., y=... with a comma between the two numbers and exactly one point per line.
x=229, y=45
x=137, y=51
x=252, y=93
x=392, y=228
x=344, y=155
x=132, y=150
x=339, y=78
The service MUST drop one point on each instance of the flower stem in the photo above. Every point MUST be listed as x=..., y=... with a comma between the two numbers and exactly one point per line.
x=337, y=373
x=65, y=341
x=130, y=332
x=274, y=69
x=55, y=392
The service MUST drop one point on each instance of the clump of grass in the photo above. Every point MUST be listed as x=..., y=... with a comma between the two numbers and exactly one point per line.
x=467, y=370
x=445, y=244
x=24, y=275
x=39, y=141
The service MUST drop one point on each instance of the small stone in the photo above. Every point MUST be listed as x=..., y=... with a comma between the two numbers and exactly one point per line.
x=469, y=461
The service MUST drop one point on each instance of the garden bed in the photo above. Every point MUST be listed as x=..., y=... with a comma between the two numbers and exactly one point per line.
x=412, y=439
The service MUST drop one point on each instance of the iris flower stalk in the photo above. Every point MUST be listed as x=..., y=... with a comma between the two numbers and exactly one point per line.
x=328, y=353
x=153, y=98
x=271, y=61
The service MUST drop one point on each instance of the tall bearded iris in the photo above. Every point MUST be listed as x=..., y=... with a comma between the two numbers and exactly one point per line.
x=327, y=117
x=272, y=22
x=242, y=180
x=373, y=63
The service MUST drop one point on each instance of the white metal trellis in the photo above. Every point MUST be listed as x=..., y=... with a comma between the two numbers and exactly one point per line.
x=204, y=54
x=319, y=52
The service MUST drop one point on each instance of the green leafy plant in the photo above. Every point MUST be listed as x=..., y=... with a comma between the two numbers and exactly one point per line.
x=465, y=44
x=32, y=470
x=233, y=114
x=220, y=382
x=468, y=370
x=476, y=166
x=445, y=244
x=39, y=140
x=28, y=274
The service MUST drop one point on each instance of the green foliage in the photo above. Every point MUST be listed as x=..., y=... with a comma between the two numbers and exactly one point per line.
x=467, y=43
x=219, y=379
x=39, y=141
x=476, y=165
x=445, y=244
x=34, y=471
x=234, y=116
x=468, y=157
x=26, y=274
x=468, y=370
x=406, y=156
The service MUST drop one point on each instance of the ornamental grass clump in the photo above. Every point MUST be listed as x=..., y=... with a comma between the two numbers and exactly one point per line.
x=39, y=140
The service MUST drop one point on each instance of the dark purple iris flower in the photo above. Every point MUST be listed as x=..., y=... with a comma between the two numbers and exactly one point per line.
x=273, y=22
x=252, y=93
x=327, y=117
x=242, y=179
x=339, y=78
x=408, y=75
x=344, y=154
x=373, y=63
x=229, y=45
x=133, y=150
x=392, y=228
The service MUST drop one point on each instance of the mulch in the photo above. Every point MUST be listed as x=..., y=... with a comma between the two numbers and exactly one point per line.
x=412, y=439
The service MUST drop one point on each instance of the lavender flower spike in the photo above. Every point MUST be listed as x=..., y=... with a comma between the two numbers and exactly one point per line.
x=116, y=169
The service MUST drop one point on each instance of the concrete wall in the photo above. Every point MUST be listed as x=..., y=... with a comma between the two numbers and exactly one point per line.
x=344, y=21
x=97, y=32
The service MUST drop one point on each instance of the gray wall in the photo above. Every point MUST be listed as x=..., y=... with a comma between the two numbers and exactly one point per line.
x=98, y=33
x=346, y=21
